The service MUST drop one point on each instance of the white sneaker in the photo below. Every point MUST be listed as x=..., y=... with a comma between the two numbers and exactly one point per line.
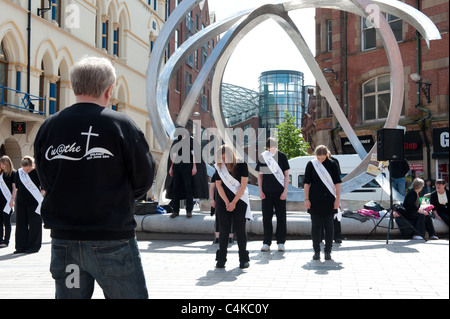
x=434, y=238
x=265, y=247
x=417, y=238
x=281, y=248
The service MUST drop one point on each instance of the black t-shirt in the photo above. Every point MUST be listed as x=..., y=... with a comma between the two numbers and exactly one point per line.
x=240, y=171
x=24, y=197
x=270, y=182
x=9, y=180
x=177, y=152
x=322, y=201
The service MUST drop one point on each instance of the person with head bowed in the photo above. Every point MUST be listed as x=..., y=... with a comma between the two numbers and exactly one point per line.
x=28, y=195
x=322, y=186
x=273, y=182
x=232, y=204
x=7, y=185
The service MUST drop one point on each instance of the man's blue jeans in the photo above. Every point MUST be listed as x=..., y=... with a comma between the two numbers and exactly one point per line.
x=115, y=265
x=400, y=185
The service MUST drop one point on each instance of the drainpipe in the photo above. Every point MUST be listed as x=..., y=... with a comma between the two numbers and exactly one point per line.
x=428, y=113
x=332, y=132
x=29, y=48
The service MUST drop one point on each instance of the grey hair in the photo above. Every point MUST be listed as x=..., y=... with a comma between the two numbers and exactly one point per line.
x=418, y=183
x=92, y=76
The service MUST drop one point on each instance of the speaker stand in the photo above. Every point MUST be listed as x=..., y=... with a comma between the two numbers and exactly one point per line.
x=390, y=211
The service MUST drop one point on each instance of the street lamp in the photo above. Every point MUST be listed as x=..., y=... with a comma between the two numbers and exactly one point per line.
x=329, y=71
x=44, y=10
x=425, y=85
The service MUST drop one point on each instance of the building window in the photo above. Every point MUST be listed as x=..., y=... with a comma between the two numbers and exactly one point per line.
x=329, y=35
x=396, y=26
x=3, y=66
x=177, y=39
x=369, y=34
x=188, y=83
x=377, y=98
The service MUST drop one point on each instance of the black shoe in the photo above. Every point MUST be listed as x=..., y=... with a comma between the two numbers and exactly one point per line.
x=244, y=265
x=316, y=256
x=189, y=214
x=327, y=256
x=244, y=259
x=221, y=258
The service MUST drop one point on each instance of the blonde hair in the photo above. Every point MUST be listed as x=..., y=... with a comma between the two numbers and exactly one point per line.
x=92, y=76
x=322, y=150
x=9, y=164
x=27, y=161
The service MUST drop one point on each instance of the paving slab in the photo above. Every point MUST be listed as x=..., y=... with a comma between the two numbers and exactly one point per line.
x=185, y=270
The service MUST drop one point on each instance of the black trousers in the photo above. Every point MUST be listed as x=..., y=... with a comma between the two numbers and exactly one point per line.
x=272, y=203
x=182, y=184
x=28, y=229
x=444, y=217
x=228, y=219
x=422, y=224
x=322, y=223
x=5, y=227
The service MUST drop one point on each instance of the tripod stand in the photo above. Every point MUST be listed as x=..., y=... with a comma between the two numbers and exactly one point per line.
x=390, y=212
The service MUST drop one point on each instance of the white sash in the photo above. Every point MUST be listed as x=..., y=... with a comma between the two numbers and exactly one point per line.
x=28, y=183
x=233, y=184
x=274, y=167
x=6, y=193
x=328, y=181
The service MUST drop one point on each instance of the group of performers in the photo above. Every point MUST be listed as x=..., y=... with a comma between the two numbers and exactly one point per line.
x=231, y=204
x=20, y=190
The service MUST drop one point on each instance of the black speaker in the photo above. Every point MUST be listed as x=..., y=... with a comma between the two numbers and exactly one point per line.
x=390, y=144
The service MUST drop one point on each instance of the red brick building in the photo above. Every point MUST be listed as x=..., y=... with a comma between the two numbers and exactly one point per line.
x=182, y=82
x=360, y=83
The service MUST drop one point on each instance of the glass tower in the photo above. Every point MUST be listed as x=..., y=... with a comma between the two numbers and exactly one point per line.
x=280, y=91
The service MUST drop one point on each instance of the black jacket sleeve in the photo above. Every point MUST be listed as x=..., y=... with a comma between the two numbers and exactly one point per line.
x=140, y=163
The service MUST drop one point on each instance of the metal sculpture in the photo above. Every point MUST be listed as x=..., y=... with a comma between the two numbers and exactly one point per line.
x=236, y=27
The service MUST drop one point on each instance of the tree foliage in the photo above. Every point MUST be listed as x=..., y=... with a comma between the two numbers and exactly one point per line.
x=290, y=139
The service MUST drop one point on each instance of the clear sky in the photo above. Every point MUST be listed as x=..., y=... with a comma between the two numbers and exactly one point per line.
x=267, y=47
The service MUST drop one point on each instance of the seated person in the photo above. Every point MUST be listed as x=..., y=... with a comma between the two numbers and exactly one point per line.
x=439, y=199
x=417, y=217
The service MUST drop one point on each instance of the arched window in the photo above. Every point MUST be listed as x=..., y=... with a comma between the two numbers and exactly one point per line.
x=3, y=66
x=377, y=98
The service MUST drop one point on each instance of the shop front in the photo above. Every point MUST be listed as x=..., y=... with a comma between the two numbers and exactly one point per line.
x=414, y=156
x=441, y=152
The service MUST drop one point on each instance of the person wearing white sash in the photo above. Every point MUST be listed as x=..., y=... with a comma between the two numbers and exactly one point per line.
x=322, y=186
x=273, y=182
x=232, y=204
x=28, y=201
x=7, y=184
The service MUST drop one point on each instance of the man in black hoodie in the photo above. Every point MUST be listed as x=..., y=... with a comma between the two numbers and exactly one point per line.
x=93, y=163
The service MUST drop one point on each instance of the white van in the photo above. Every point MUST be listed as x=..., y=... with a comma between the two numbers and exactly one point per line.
x=347, y=163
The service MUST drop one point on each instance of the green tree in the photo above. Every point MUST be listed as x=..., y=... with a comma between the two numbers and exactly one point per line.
x=290, y=139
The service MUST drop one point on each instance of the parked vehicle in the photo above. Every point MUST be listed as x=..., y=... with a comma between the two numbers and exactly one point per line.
x=347, y=163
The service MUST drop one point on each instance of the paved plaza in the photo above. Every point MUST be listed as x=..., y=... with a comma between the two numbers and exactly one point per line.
x=184, y=269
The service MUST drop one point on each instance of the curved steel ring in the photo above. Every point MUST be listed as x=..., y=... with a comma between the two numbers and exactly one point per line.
x=157, y=84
